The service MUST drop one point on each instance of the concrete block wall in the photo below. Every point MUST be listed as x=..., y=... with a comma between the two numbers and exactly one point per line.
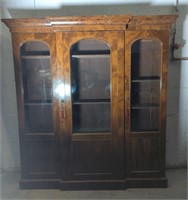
x=177, y=105
x=9, y=141
x=177, y=113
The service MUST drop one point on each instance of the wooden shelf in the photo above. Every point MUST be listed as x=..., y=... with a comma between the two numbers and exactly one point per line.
x=92, y=101
x=91, y=56
x=93, y=131
x=146, y=106
x=36, y=57
x=141, y=131
x=146, y=79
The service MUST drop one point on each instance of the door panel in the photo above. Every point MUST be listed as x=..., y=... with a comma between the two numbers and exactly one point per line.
x=145, y=85
x=145, y=92
x=92, y=159
x=93, y=127
x=145, y=157
x=35, y=74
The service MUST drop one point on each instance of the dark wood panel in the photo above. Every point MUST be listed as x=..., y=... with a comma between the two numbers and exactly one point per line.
x=147, y=183
x=40, y=184
x=144, y=157
x=94, y=185
x=40, y=159
x=92, y=159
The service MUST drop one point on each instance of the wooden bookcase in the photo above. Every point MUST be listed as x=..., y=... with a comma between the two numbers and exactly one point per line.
x=91, y=98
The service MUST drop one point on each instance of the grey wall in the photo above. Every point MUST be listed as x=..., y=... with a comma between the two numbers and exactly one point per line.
x=177, y=114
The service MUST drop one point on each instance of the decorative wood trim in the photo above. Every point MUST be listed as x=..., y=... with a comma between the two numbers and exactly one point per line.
x=90, y=20
x=155, y=22
x=89, y=23
x=153, y=19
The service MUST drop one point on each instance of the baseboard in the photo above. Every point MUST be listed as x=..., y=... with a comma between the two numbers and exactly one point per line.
x=147, y=183
x=94, y=184
x=40, y=184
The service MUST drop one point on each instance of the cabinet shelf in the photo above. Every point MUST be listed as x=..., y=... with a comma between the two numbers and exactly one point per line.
x=87, y=131
x=141, y=131
x=91, y=56
x=92, y=101
x=146, y=79
x=146, y=106
x=36, y=57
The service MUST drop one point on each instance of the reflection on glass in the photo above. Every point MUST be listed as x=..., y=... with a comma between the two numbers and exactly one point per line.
x=145, y=85
x=90, y=78
x=37, y=85
x=91, y=87
x=37, y=77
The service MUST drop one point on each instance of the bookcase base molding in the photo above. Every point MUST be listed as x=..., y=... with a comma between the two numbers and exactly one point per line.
x=95, y=184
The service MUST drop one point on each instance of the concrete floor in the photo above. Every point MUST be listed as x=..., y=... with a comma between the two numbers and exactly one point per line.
x=177, y=189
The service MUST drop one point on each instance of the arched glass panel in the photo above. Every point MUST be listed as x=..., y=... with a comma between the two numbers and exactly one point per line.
x=145, y=85
x=91, y=86
x=37, y=85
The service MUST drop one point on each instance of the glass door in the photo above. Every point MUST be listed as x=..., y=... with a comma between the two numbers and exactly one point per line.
x=93, y=66
x=34, y=71
x=91, y=87
x=145, y=85
x=36, y=75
